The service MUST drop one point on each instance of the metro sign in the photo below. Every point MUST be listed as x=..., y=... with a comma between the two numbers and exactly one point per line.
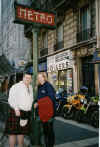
x=38, y=18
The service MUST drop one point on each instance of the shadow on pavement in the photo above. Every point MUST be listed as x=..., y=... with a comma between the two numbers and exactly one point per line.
x=65, y=132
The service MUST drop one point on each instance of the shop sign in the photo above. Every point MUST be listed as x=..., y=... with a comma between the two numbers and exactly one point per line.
x=60, y=61
x=39, y=18
x=42, y=66
x=96, y=56
x=21, y=63
x=63, y=56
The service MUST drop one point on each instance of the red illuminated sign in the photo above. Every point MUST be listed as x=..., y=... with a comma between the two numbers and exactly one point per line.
x=30, y=15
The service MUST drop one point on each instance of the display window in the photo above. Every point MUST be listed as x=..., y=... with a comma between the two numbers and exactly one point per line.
x=65, y=80
x=62, y=79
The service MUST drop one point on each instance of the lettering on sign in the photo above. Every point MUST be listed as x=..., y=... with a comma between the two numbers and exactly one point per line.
x=30, y=15
x=60, y=66
x=60, y=61
x=63, y=56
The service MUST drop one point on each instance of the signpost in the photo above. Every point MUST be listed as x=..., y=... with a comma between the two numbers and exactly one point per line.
x=38, y=19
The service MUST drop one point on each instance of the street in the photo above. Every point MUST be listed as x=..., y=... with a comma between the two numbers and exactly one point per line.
x=69, y=134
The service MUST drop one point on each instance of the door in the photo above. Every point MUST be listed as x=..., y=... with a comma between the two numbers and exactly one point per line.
x=88, y=74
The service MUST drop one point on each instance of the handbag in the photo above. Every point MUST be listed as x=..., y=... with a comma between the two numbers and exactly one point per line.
x=45, y=109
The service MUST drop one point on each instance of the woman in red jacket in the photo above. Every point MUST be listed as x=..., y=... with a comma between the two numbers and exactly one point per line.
x=45, y=89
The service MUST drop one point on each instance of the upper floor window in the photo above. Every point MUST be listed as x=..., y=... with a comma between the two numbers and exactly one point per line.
x=85, y=18
x=59, y=37
x=45, y=39
x=44, y=48
x=84, y=26
x=60, y=33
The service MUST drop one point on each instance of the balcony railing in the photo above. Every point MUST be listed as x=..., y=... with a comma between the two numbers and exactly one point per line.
x=59, y=46
x=43, y=52
x=84, y=35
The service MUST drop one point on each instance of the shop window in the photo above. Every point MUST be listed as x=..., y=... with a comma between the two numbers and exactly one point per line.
x=59, y=35
x=42, y=67
x=84, y=24
x=65, y=80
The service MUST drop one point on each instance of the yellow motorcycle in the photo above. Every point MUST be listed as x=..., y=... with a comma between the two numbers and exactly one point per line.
x=72, y=105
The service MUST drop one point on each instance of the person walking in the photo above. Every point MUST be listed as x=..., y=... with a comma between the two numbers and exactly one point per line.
x=45, y=89
x=20, y=101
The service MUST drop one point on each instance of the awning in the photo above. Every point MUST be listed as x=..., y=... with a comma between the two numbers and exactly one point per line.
x=5, y=67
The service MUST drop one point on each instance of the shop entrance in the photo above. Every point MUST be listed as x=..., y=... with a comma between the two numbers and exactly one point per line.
x=88, y=74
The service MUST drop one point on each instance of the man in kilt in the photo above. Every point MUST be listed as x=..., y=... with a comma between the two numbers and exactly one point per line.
x=20, y=101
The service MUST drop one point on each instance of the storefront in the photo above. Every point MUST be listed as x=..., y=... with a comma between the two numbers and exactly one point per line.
x=60, y=71
x=86, y=72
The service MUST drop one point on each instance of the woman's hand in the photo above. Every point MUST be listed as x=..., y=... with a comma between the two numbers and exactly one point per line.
x=35, y=105
x=17, y=112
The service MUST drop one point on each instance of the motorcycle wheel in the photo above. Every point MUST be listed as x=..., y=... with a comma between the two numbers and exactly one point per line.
x=95, y=119
x=78, y=116
x=68, y=114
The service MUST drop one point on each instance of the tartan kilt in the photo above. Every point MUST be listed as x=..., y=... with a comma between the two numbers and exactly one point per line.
x=13, y=124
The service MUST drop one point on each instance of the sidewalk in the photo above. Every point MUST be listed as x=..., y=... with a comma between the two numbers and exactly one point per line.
x=68, y=134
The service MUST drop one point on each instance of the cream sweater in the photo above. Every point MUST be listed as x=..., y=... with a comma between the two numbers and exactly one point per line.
x=20, y=98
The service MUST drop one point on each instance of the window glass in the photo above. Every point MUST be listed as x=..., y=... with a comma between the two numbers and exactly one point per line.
x=85, y=18
x=60, y=33
x=65, y=80
x=45, y=40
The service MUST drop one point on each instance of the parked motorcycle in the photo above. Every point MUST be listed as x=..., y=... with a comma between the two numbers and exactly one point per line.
x=89, y=113
x=61, y=96
x=82, y=108
x=73, y=103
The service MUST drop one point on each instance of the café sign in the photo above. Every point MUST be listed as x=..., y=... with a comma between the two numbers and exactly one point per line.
x=39, y=18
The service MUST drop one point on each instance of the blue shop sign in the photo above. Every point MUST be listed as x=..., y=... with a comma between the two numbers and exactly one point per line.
x=96, y=57
x=42, y=66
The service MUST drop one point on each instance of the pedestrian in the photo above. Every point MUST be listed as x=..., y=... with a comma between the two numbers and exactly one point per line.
x=20, y=101
x=45, y=89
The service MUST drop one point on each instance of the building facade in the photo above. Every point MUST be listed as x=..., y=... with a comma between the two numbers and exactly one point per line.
x=68, y=50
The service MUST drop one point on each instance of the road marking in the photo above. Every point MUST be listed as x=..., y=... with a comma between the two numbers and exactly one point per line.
x=81, y=143
x=81, y=125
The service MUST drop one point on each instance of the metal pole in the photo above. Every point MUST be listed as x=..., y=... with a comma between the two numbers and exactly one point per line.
x=35, y=60
x=36, y=128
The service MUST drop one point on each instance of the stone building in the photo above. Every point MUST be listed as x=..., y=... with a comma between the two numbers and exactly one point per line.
x=68, y=51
